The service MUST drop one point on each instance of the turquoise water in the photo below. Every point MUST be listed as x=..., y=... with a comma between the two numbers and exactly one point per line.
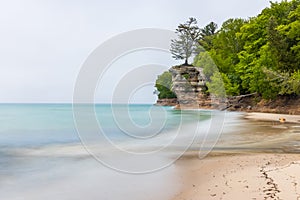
x=34, y=125
x=42, y=156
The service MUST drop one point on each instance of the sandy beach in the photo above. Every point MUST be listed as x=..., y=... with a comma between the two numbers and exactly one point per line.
x=230, y=175
x=241, y=176
x=273, y=117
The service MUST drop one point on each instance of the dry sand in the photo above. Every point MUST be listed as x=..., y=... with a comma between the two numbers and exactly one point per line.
x=253, y=176
x=238, y=176
x=273, y=117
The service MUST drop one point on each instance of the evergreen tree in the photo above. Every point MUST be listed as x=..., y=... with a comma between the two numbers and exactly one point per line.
x=207, y=35
x=185, y=45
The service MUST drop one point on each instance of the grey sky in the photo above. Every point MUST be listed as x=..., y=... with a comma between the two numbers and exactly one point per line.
x=43, y=43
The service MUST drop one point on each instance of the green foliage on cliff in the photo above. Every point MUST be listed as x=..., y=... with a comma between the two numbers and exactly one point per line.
x=261, y=54
x=164, y=85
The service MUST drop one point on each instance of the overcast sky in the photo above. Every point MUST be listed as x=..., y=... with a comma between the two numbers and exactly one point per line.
x=43, y=43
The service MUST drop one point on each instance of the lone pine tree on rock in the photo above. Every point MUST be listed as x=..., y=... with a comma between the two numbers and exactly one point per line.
x=186, y=44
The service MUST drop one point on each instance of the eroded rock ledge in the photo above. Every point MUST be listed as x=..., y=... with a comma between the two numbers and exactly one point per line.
x=189, y=85
x=167, y=102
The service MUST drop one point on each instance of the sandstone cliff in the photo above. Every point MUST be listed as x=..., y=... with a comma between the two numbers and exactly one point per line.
x=188, y=85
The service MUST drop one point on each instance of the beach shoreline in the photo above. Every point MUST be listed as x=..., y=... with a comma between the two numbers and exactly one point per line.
x=284, y=118
x=241, y=175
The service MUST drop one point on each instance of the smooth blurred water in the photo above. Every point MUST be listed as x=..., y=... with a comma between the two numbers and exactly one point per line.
x=241, y=135
x=41, y=155
x=34, y=125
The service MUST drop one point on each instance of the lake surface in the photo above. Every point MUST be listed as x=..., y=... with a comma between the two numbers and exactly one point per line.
x=46, y=154
x=47, y=151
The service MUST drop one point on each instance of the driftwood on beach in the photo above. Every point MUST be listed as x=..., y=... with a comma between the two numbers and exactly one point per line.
x=235, y=101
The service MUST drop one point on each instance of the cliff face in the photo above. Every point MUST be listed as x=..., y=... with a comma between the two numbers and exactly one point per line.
x=189, y=86
x=255, y=103
x=167, y=102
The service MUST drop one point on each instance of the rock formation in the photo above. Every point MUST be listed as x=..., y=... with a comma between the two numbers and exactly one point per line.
x=167, y=102
x=189, y=85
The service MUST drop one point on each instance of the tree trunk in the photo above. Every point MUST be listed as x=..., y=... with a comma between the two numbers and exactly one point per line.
x=186, y=62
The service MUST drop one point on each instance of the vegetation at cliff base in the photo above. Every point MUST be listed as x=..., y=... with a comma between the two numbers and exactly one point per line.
x=163, y=85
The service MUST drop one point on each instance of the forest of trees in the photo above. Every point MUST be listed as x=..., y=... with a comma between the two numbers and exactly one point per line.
x=257, y=55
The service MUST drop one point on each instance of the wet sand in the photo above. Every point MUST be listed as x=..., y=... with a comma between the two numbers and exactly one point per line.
x=237, y=174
